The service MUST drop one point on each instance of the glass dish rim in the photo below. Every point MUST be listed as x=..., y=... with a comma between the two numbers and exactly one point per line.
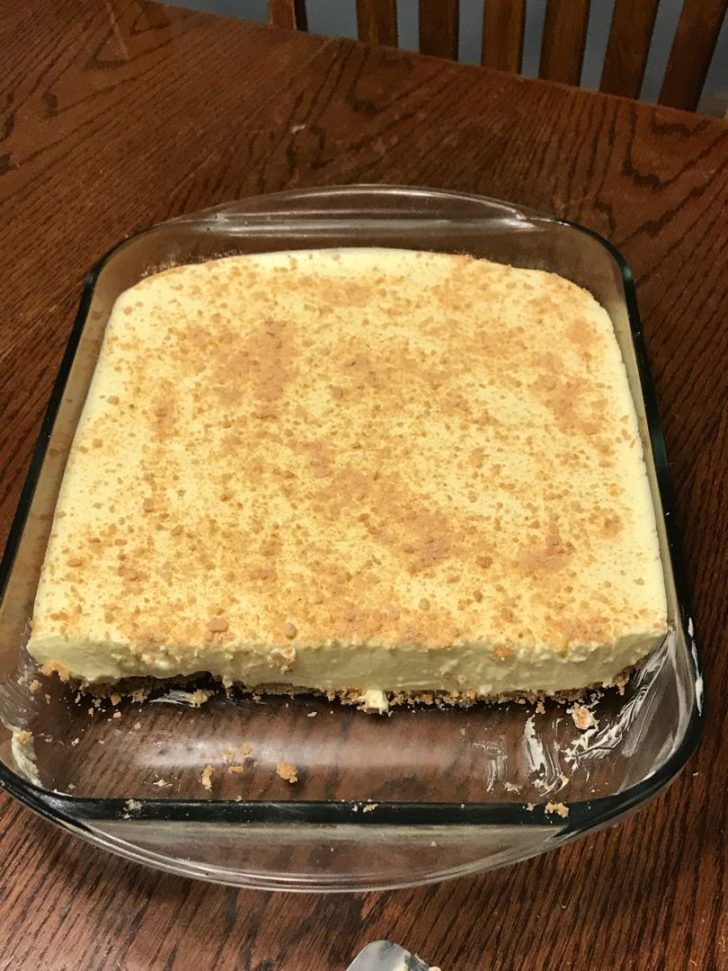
x=80, y=812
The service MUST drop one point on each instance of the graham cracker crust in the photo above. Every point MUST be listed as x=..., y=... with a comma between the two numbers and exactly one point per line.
x=201, y=687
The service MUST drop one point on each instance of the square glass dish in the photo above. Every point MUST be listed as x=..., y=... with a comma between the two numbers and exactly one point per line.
x=380, y=802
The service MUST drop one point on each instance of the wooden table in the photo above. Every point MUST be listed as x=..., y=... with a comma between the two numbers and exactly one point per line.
x=121, y=114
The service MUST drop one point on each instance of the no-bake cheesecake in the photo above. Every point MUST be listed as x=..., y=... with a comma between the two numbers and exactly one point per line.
x=350, y=471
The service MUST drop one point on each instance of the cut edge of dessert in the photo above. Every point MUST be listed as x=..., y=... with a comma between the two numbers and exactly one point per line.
x=196, y=689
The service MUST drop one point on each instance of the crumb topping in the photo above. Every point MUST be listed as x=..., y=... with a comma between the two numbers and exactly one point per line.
x=582, y=717
x=287, y=771
x=559, y=808
x=55, y=667
x=353, y=448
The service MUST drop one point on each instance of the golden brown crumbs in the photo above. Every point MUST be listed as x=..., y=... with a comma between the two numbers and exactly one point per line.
x=582, y=717
x=370, y=807
x=117, y=715
x=559, y=808
x=217, y=625
x=290, y=630
x=235, y=769
x=34, y=686
x=23, y=736
x=540, y=707
x=198, y=698
x=206, y=777
x=55, y=667
x=287, y=771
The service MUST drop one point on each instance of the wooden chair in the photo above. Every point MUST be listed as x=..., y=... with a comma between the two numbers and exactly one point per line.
x=564, y=37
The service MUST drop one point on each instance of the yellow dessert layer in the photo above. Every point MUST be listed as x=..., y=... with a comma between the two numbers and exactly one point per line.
x=355, y=469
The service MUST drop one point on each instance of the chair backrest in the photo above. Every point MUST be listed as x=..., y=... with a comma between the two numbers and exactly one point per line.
x=563, y=42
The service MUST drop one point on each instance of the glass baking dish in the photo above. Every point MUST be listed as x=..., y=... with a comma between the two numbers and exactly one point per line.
x=380, y=802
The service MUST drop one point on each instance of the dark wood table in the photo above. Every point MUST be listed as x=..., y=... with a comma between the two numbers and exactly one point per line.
x=114, y=116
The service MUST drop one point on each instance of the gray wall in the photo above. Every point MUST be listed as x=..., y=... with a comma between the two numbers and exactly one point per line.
x=338, y=18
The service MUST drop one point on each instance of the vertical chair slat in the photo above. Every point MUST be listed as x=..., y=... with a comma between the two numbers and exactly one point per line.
x=692, y=50
x=504, y=22
x=290, y=14
x=377, y=21
x=439, y=26
x=629, y=44
x=564, y=37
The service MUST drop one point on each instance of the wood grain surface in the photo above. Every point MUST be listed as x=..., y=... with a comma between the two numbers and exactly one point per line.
x=117, y=115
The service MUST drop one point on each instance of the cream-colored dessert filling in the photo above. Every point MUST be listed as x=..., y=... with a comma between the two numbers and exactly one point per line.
x=355, y=469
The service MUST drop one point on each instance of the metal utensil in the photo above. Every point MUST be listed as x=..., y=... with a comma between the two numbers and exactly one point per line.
x=386, y=956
